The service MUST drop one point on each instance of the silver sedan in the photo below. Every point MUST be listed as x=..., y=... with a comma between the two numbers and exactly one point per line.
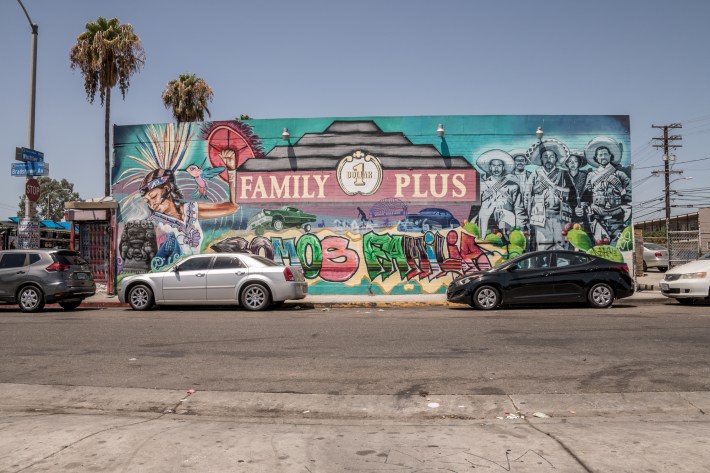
x=252, y=281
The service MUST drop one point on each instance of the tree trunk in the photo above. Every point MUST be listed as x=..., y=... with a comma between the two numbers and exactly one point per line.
x=107, y=157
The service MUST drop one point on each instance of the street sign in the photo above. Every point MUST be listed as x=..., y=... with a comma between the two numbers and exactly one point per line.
x=29, y=155
x=32, y=190
x=29, y=169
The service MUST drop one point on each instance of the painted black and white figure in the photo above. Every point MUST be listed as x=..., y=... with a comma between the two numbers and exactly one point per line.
x=501, y=197
x=550, y=196
x=574, y=164
x=520, y=172
x=607, y=191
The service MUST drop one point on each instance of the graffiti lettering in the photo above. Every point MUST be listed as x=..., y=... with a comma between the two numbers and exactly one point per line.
x=421, y=257
x=332, y=259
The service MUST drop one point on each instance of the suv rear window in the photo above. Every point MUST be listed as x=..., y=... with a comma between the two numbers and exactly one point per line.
x=69, y=257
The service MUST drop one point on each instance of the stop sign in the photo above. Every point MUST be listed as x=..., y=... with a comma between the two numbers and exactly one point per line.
x=32, y=189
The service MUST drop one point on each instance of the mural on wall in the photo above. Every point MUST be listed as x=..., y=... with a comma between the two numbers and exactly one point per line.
x=375, y=205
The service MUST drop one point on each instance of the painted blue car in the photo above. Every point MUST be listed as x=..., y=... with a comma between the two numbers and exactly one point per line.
x=428, y=219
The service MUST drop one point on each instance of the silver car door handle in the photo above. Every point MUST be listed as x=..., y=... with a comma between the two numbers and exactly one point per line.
x=199, y=275
x=20, y=272
x=240, y=273
x=545, y=274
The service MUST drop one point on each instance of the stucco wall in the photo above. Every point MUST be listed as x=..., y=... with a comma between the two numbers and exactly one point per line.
x=375, y=204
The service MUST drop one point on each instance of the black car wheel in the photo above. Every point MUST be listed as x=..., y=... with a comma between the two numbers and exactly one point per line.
x=486, y=298
x=70, y=305
x=255, y=297
x=30, y=299
x=601, y=295
x=307, y=227
x=645, y=267
x=278, y=224
x=140, y=297
x=663, y=269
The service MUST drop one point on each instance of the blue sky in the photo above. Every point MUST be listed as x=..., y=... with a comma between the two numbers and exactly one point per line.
x=313, y=58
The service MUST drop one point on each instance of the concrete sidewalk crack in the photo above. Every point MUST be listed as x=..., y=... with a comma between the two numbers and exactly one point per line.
x=93, y=434
x=694, y=406
x=553, y=437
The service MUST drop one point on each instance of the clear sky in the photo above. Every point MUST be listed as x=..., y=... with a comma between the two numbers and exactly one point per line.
x=322, y=58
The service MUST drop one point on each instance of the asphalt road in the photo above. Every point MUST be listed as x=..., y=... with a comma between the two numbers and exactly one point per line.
x=644, y=348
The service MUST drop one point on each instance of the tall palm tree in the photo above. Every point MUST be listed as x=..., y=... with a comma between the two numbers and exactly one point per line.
x=188, y=96
x=108, y=53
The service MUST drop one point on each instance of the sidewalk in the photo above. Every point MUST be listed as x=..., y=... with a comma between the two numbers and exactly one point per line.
x=647, y=292
x=83, y=428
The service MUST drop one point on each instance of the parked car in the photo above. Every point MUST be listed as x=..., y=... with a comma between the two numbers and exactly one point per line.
x=35, y=277
x=545, y=277
x=689, y=282
x=428, y=219
x=278, y=219
x=655, y=256
x=252, y=281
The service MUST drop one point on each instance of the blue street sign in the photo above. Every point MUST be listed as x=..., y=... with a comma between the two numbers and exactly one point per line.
x=29, y=155
x=27, y=169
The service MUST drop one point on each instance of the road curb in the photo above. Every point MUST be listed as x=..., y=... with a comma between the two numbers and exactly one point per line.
x=377, y=304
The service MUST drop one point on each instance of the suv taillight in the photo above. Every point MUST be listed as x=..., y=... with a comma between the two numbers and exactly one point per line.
x=288, y=274
x=57, y=267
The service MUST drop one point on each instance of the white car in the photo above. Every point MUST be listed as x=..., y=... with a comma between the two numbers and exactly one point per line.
x=252, y=281
x=689, y=282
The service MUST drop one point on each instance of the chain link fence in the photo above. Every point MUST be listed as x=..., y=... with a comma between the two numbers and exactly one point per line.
x=684, y=246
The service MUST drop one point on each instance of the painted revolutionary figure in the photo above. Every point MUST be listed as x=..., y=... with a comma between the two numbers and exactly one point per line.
x=520, y=173
x=607, y=191
x=550, y=196
x=574, y=164
x=501, y=196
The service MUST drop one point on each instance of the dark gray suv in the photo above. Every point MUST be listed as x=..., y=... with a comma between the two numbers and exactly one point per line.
x=32, y=278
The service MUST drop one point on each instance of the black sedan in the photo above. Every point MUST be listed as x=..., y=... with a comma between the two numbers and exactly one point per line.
x=545, y=277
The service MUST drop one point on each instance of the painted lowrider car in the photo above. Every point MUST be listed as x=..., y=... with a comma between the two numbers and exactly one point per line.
x=428, y=219
x=281, y=218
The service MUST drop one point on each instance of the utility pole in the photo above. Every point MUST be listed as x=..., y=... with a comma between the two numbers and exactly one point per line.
x=667, y=158
x=33, y=93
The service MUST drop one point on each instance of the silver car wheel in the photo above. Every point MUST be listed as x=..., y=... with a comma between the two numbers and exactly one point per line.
x=601, y=295
x=140, y=298
x=31, y=299
x=485, y=298
x=255, y=297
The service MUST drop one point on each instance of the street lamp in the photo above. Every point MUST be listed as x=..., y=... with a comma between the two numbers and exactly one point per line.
x=539, y=133
x=33, y=90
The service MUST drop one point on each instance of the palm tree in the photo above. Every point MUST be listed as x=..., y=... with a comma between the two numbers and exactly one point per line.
x=108, y=53
x=188, y=96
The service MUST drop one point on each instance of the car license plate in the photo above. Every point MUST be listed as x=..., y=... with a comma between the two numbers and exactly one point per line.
x=664, y=286
x=80, y=275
